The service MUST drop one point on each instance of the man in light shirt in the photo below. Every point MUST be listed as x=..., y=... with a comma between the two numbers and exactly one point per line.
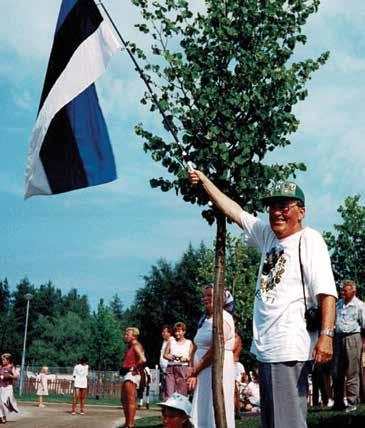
x=294, y=261
x=166, y=333
x=350, y=319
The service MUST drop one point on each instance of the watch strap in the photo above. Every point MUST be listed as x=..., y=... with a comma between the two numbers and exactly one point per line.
x=327, y=332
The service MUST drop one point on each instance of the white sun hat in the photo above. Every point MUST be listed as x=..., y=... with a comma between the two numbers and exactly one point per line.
x=178, y=401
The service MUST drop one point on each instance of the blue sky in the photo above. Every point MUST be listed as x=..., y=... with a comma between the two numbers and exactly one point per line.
x=102, y=240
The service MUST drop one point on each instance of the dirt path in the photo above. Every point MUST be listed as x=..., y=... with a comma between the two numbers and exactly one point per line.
x=59, y=416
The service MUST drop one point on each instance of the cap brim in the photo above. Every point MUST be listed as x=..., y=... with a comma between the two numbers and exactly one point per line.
x=269, y=199
x=164, y=404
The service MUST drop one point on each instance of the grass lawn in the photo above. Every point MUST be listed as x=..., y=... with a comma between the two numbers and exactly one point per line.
x=316, y=419
x=67, y=399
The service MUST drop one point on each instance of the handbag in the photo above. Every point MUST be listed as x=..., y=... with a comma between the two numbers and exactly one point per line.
x=123, y=371
x=313, y=315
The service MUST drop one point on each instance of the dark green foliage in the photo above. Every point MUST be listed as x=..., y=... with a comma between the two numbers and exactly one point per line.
x=347, y=244
x=171, y=293
x=61, y=328
x=62, y=340
x=4, y=296
x=225, y=79
x=106, y=334
x=116, y=305
x=73, y=302
x=6, y=316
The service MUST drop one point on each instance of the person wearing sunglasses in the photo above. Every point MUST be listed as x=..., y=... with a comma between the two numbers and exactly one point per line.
x=295, y=275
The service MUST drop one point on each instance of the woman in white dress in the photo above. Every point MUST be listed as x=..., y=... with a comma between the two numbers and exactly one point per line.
x=42, y=386
x=201, y=380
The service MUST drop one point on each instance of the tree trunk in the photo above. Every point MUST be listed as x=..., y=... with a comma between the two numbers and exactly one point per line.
x=218, y=338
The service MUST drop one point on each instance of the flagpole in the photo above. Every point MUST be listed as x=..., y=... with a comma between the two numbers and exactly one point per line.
x=144, y=78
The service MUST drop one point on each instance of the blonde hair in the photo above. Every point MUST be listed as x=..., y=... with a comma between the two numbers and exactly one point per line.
x=134, y=330
x=7, y=356
x=44, y=369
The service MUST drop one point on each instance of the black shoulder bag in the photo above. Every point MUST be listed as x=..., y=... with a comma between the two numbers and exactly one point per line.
x=313, y=316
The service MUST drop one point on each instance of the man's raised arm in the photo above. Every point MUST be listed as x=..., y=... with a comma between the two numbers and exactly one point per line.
x=229, y=207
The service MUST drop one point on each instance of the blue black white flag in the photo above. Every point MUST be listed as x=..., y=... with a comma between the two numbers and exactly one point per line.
x=70, y=147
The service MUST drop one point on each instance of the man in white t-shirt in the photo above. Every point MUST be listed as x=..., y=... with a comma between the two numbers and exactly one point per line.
x=166, y=333
x=294, y=261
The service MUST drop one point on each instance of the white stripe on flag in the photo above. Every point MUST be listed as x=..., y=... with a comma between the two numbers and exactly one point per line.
x=87, y=64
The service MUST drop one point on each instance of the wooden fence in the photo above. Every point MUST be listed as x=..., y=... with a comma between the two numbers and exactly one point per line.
x=100, y=384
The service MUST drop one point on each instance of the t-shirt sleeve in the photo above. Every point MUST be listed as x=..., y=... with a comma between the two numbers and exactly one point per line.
x=317, y=265
x=228, y=326
x=255, y=230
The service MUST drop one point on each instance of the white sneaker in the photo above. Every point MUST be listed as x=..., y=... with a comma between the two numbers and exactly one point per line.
x=330, y=403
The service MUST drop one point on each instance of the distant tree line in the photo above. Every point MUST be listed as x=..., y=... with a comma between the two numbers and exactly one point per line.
x=62, y=327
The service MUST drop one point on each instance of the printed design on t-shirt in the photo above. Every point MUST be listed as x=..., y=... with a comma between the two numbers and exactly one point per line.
x=272, y=271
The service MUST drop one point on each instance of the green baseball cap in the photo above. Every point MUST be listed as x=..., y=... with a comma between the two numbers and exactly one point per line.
x=285, y=189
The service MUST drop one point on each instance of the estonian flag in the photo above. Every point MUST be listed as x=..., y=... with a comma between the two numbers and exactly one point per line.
x=70, y=146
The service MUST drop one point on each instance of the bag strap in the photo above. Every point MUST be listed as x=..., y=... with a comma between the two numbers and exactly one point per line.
x=302, y=271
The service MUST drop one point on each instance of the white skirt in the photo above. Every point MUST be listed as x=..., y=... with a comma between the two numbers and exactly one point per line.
x=7, y=400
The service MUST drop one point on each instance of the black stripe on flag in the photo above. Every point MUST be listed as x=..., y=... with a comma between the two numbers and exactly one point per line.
x=82, y=21
x=60, y=156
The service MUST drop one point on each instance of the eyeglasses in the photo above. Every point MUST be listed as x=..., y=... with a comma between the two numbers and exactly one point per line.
x=281, y=206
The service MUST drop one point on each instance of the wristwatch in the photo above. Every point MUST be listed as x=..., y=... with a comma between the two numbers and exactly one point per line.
x=327, y=332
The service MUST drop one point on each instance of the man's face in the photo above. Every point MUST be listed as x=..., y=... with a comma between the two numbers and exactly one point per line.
x=285, y=217
x=347, y=293
x=128, y=336
x=165, y=334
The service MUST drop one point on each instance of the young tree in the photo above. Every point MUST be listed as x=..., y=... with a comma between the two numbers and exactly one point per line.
x=224, y=81
x=106, y=339
x=116, y=305
x=347, y=244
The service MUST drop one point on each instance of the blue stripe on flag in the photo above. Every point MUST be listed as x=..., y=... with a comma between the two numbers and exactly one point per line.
x=66, y=7
x=92, y=138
